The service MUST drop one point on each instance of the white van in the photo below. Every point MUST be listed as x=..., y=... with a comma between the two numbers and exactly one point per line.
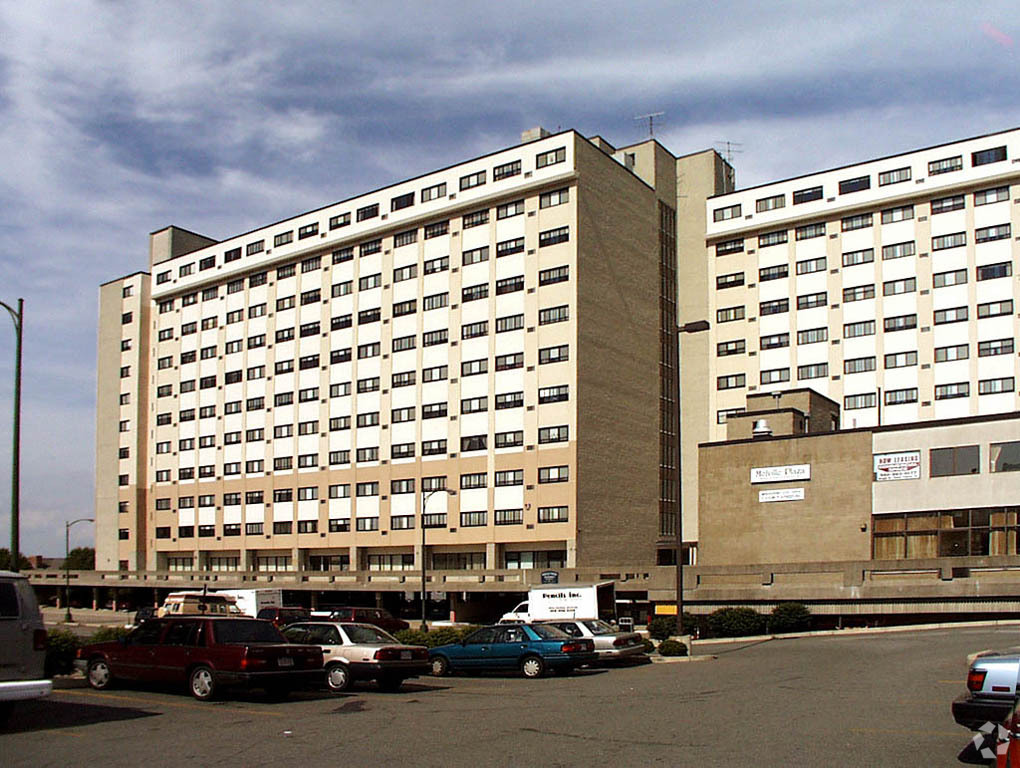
x=22, y=644
x=198, y=604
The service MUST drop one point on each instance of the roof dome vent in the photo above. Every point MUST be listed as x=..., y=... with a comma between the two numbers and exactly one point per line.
x=761, y=429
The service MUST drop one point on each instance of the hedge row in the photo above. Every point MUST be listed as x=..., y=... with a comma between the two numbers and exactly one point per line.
x=438, y=636
x=63, y=644
x=736, y=622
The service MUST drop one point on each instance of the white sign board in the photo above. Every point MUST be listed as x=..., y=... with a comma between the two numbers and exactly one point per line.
x=905, y=465
x=781, y=474
x=784, y=494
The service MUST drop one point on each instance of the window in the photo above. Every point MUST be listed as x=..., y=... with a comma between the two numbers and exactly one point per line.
x=812, y=335
x=987, y=196
x=809, y=266
x=338, y=356
x=434, y=192
x=961, y=460
x=855, y=402
x=898, y=250
x=729, y=281
x=775, y=307
x=557, y=197
x=553, y=236
x=773, y=273
x=728, y=247
x=987, y=234
x=509, y=247
x=340, y=322
x=810, y=231
x=473, y=480
x=472, y=330
x=994, y=348
x=433, y=447
x=728, y=314
x=473, y=443
x=552, y=157
x=553, y=515
x=955, y=240
x=339, y=458
x=814, y=371
x=946, y=165
x=900, y=359
x=472, y=180
x=1004, y=457
x=854, y=185
x=402, y=201
x=475, y=219
x=811, y=300
x=734, y=381
x=554, y=275
x=807, y=195
x=436, y=373
x=895, y=287
x=899, y=323
x=256, y=247
x=370, y=384
x=726, y=348
x=894, y=177
x=900, y=396
x=952, y=391
x=437, y=265
x=474, y=404
x=902, y=213
x=405, y=273
x=553, y=354
x=283, y=238
x=367, y=212
x=952, y=315
x=859, y=293
x=474, y=367
x=951, y=353
x=372, y=246
x=858, y=365
x=369, y=281
x=506, y=170
x=775, y=375
x=474, y=292
x=770, y=203
x=860, y=221
x=993, y=271
x=986, y=156
x=185, y=270
x=509, y=439
x=853, y=258
x=510, y=285
x=553, y=315
x=995, y=386
x=726, y=213
x=509, y=362
x=508, y=210
x=773, y=238
x=516, y=399
x=994, y=309
x=775, y=341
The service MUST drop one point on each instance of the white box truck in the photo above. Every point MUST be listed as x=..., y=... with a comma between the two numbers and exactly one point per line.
x=563, y=601
x=251, y=601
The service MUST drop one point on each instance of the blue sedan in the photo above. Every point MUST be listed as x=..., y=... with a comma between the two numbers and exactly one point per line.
x=530, y=648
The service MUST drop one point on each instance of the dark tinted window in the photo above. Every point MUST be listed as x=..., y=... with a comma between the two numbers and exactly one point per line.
x=246, y=631
x=549, y=632
x=183, y=633
x=8, y=601
x=486, y=635
x=963, y=460
x=147, y=634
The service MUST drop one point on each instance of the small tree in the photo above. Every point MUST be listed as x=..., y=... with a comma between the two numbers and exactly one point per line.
x=735, y=622
x=672, y=648
x=661, y=627
x=81, y=559
x=6, y=561
x=790, y=617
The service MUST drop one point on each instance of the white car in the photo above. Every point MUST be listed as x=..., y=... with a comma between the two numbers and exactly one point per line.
x=22, y=644
x=610, y=643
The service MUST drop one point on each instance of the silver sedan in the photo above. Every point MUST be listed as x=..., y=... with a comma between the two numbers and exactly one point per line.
x=611, y=644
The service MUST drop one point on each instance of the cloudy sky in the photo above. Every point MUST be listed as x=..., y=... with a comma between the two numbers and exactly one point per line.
x=118, y=118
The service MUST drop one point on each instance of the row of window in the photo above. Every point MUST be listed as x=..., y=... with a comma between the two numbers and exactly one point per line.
x=541, y=559
x=860, y=183
x=990, y=348
x=400, y=202
x=867, y=327
x=949, y=391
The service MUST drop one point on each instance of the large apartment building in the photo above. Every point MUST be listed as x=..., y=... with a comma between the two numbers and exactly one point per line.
x=488, y=350
x=890, y=286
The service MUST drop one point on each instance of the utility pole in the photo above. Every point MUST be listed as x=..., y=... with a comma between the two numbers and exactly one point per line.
x=18, y=318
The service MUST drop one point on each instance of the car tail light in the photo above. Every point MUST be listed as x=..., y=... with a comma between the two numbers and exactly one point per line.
x=621, y=641
x=976, y=679
x=575, y=647
x=39, y=640
x=78, y=654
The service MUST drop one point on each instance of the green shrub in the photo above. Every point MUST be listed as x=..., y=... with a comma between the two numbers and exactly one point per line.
x=465, y=631
x=672, y=648
x=661, y=627
x=106, y=634
x=649, y=646
x=61, y=646
x=412, y=637
x=735, y=622
x=790, y=617
x=443, y=636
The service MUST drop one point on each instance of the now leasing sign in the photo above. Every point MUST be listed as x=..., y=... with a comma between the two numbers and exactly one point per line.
x=905, y=465
x=783, y=494
x=781, y=474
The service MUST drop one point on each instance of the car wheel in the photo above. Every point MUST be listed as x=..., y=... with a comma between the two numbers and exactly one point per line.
x=390, y=683
x=440, y=666
x=99, y=675
x=532, y=667
x=338, y=677
x=202, y=683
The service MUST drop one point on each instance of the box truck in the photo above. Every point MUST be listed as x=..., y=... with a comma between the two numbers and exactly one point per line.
x=251, y=601
x=594, y=601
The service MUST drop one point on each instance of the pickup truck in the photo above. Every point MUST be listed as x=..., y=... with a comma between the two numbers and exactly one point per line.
x=991, y=689
x=205, y=652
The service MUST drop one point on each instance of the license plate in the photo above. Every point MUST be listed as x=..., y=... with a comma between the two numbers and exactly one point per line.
x=405, y=655
x=285, y=661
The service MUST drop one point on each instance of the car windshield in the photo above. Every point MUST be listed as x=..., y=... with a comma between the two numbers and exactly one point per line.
x=547, y=632
x=599, y=627
x=246, y=631
x=362, y=634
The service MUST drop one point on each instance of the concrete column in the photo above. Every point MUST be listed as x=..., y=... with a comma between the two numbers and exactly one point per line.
x=95, y=599
x=248, y=559
x=378, y=599
x=419, y=553
x=355, y=553
x=571, y=553
x=493, y=552
x=296, y=559
x=314, y=603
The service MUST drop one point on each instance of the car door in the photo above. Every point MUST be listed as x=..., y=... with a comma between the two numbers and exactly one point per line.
x=509, y=645
x=176, y=651
x=476, y=652
x=135, y=658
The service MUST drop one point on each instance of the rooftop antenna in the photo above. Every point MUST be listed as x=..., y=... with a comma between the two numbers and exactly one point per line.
x=651, y=121
x=731, y=148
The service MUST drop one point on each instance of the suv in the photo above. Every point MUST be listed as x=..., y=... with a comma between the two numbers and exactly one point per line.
x=282, y=617
x=22, y=644
x=380, y=617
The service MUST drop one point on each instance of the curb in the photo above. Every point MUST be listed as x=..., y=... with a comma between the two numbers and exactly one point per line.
x=656, y=659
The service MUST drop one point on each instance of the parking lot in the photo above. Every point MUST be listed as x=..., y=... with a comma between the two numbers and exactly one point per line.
x=878, y=699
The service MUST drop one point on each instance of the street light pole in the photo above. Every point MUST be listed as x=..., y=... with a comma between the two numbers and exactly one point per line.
x=67, y=570
x=696, y=326
x=18, y=317
x=424, y=499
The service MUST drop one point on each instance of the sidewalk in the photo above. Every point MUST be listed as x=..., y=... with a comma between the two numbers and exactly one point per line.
x=86, y=617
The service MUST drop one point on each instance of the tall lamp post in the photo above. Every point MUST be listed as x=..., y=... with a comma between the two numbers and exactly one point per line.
x=67, y=570
x=696, y=326
x=424, y=499
x=18, y=316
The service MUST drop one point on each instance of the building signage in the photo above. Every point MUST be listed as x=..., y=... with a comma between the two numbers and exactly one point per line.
x=783, y=494
x=780, y=474
x=905, y=465
x=550, y=577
